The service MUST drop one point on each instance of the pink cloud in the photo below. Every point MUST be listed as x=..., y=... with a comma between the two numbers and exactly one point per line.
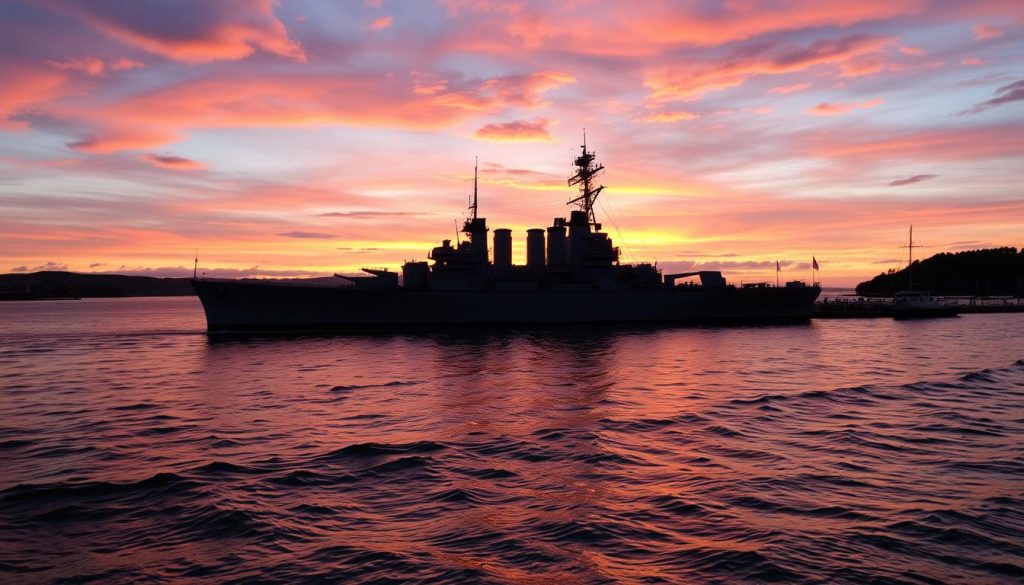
x=669, y=117
x=914, y=51
x=864, y=65
x=784, y=89
x=535, y=130
x=26, y=86
x=632, y=29
x=509, y=91
x=984, y=31
x=428, y=83
x=124, y=64
x=172, y=162
x=87, y=65
x=827, y=109
x=381, y=23
x=197, y=33
x=693, y=81
x=984, y=142
x=119, y=136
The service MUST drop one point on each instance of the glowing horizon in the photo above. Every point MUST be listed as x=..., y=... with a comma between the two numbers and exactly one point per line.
x=306, y=138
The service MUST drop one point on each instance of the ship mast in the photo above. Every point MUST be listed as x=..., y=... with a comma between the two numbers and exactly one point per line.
x=586, y=171
x=474, y=222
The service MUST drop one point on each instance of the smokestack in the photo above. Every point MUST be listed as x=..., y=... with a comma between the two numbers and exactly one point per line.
x=502, y=248
x=557, y=253
x=535, y=249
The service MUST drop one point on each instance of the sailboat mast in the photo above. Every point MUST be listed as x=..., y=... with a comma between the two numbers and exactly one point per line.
x=910, y=261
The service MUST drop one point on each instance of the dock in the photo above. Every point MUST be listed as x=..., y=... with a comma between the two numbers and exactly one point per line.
x=874, y=308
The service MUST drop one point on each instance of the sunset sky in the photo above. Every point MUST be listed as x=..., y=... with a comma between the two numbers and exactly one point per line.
x=302, y=138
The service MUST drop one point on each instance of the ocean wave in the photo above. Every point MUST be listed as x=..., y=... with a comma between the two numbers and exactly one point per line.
x=366, y=450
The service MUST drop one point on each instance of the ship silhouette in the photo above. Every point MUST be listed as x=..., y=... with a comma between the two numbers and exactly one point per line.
x=572, y=275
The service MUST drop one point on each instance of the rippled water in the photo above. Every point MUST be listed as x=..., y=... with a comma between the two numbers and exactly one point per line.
x=134, y=447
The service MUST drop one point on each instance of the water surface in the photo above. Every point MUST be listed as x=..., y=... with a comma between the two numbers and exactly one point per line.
x=135, y=447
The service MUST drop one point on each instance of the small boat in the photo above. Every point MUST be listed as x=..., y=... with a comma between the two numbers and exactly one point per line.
x=911, y=304
x=917, y=304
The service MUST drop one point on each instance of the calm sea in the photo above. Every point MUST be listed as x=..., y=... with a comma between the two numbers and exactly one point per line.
x=134, y=447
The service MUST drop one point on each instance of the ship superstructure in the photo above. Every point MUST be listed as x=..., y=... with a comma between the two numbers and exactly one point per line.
x=572, y=275
x=571, y=254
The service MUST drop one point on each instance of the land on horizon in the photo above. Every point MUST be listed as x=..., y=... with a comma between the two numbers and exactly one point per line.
x=997, y=271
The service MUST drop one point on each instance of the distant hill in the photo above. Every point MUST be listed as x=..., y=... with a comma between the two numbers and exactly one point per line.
x=55, y=284
x=996, y=271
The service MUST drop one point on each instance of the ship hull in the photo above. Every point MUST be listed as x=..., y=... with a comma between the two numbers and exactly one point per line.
x=247, y=306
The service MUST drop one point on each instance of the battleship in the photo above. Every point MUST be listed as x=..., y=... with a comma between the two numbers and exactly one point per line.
x=572, y=275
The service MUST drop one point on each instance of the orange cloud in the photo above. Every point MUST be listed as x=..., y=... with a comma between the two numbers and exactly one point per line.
x=686, y=83
x=914, y=51
x=535, y=130
x=784, y=89
x=669, y=117
x=224, y=30
x=827, y=109
x=381, y=23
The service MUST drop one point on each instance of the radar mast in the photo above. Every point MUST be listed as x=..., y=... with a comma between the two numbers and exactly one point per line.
x=586, y=171
x=476, y=163
x=474, y=222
